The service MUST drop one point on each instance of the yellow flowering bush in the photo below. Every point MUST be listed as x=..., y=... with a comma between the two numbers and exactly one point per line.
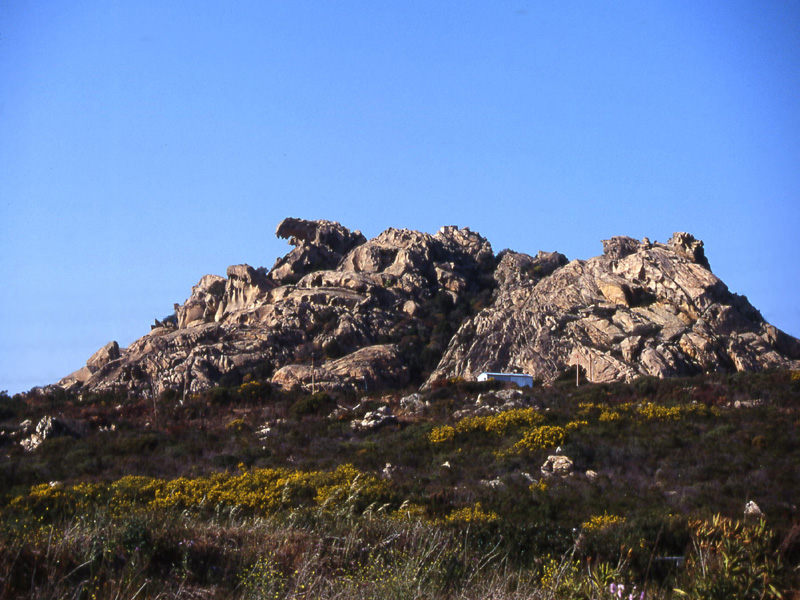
x=49, y=498
x=236, y=425
x=472, y=514
x=608, y=416
x=602, y=522
x=263, y=491
x=575, y=425
x=442, y=434
x=500, y=423
x=409, y=511
x=542, y=437
x=254, y=390
x=538, y=487
x=656, y=412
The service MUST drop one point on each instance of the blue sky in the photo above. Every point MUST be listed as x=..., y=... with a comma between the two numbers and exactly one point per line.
x=145, y=144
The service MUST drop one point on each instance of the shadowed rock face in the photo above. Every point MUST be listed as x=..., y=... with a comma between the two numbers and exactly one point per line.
x=364, y=310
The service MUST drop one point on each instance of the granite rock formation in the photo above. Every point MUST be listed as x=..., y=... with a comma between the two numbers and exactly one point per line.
x=408, y=307
x=639, y=309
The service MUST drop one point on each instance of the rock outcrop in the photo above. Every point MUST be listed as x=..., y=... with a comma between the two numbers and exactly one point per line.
x=350, y=306
x=341, y=311
x=639, y=309
x=51, y=427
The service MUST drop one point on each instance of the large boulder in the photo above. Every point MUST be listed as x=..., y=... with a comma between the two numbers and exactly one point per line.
x=370, y=368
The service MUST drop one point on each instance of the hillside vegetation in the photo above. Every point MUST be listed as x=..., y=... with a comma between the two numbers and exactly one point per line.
x=466, y=490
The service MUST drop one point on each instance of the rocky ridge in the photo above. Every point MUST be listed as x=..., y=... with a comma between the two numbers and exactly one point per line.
x=406, y=307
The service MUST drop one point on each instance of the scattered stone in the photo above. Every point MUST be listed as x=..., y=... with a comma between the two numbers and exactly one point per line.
x=263, y=432
x=381, y=417
x=591, y=475
x=340, y=413
x=557, y=465
x=389, y=471
x=748, y=403
x=494, y=484
x=751, y=509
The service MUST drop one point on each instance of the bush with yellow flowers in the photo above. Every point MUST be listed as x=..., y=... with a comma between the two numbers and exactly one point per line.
x=261, y=491
x=440, y=435
x=539, y=438
x=472, y=514
x=602, y=522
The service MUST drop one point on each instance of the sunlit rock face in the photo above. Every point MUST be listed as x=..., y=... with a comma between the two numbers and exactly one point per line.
x=641, y=308
x=342, y=311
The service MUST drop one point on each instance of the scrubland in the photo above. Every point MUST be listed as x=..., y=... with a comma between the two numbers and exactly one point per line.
x=248, y=492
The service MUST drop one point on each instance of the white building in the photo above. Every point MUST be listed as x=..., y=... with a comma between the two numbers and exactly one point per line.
x=518, y=378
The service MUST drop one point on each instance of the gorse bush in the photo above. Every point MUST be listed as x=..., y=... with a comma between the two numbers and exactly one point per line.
x=539, y=438
x=472, y=514
x=500, y=423
x=602, y=522
x=260, y=491
x=440, y=435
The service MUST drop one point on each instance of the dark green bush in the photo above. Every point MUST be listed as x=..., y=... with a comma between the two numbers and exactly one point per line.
x=312, y=404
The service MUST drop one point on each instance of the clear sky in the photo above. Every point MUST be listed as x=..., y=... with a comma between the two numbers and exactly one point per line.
x=145, y=144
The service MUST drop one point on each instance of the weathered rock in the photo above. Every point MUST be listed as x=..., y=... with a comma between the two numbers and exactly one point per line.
x=412, y=404
x=373, y=367
x=380, y=417
x=104, y=356
x=51, y=427
x=318, y=245
x=204, y=302
x=108, y=353
x=751, y=509
x=685, y=245
x=557, y=465
x=367, y=311
x=245, y=286
x=640, y=309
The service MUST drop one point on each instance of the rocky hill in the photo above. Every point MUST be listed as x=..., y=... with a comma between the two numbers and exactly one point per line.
x=340, y=311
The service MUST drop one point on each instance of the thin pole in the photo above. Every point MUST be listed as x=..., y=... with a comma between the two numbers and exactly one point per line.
x=313, y=375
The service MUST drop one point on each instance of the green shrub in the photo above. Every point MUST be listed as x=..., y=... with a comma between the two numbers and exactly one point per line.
x=732, y=559
x=312, y=404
